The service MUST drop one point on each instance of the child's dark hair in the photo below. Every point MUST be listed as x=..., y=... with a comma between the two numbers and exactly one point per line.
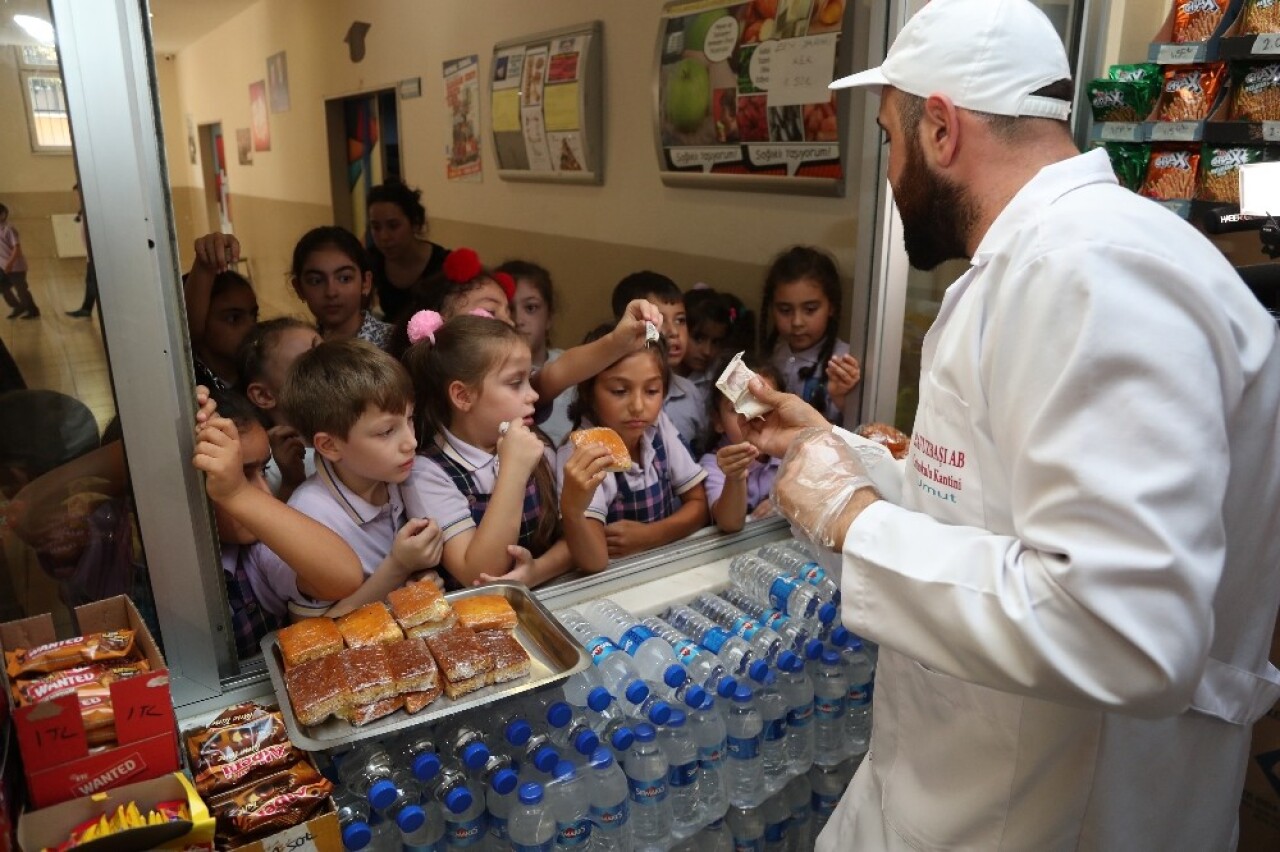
x=226, y=280
x=438, y=293
x=234, y=406
x=328, y=236
x=394, y=191
x=706, y=305
x=584, y=407
x=258, y=345
x=536, y=275
x=794, y=264
x=466, y=349
x=642, y=285
x=332, y=385
x=4, y=210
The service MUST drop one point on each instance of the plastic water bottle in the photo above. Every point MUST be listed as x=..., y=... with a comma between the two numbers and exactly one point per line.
x=746, y=828
x=830, y=691
x=797, y=691
x=464, y=743
x=741, y=658
x=570, y=731
x=683, y=774
x=794, y=632
x=405, y=810
x=611, y=725
x=767, y=642
x=616, y=670
x=498, y=807
x=706, y=726
x=450, y=789
x=646, y=769
x=860, y=673
x=508, y=722
x=468, y=828
x=774, y=760
x=416, y=751
x=705, y=668
x=531, y=826
x=768, y=582
x=796, y=559
x=744, y=730
x=568, y=800
x=362, y=769
x=716, y=838
x=579, y=685
x=800, y=832
x=429, y=837
x=384, y=836
x=498, y=773
x=828, y=787
x=653, y=656
x=353, y=818
x=777, y=823
x=608, y=793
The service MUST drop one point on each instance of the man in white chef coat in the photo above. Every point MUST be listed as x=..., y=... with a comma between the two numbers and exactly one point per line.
x=1075, y=574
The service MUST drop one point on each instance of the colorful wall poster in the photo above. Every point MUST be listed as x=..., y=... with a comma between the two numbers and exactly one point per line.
x=462, y=98
x=259, y=122
x=278, y=82
x=742, y=88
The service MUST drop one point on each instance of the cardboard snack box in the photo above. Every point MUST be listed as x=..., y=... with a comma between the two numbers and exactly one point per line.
x=320, y=833
x=51, y=736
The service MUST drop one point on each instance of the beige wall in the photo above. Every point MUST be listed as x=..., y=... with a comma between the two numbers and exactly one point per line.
x=588, y=236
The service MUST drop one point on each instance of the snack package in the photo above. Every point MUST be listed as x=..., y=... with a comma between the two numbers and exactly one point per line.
x=282, y=800
x=55, y=684
x=1112, y=100
x=1220, y=172
x=1255, y=95
x=1196, y=20
x=1260, y=16
x=67, y=653
x=1190, y=91
x=123, y=818
x=1129, y=161
x=243, y=741
x=1171, y=174
x=733, y=384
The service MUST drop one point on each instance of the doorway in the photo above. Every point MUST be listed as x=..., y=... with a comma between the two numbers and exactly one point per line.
x=364, y=150
x=213, y=162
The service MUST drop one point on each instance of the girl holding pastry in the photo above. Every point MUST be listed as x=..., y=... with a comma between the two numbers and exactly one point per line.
x=739, y=477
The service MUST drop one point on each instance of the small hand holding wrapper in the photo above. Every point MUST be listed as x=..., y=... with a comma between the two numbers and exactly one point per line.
x=817, y=480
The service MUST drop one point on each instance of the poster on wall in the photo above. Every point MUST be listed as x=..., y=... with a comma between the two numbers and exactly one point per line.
x=244, y=145
x=546, y=104
x=191, y=138
x=278, y=82
x=462, y=98
x=258, y=119
x=742, y=93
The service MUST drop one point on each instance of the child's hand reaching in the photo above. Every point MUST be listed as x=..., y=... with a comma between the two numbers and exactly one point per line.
x=631, y=328
x=218, y=455
x=584, y=470
x=520, y=449
x=217, y=252
x=626, y=537
x=735, y=460
x=288, y=452
x=843, y=372
x=418, y=545
x=205, y=407
x=522, y=568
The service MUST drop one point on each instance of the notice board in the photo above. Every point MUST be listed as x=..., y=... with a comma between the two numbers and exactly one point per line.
x=741, y=98
x=545, y=95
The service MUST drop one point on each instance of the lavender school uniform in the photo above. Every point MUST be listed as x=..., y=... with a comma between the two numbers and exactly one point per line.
x=792, y=364
x=760, y=477
x=681, y=472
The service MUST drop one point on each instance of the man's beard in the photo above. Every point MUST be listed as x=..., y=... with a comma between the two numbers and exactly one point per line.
x=937, y=214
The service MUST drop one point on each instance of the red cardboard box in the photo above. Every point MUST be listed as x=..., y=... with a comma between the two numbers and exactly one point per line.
x=51, y=734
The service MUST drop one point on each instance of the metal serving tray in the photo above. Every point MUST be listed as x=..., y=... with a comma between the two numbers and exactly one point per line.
x=553, y=655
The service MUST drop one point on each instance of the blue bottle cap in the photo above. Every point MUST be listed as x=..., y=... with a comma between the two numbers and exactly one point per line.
x=827, y=612
x=770, y=678
x=742, y=694
x=709, y=702
x=599, y=698
x=356, y=836
x=458, y=800
x=645, y=732
x=784, y=660
x=855, y=643
x=840, y=637
x=475, y=755
x=426, y=766
x=676, y=720
x=504, y=781
x=693, y=696
x=757, y=669
x=797, y=665
x=586, y=742
x=411, y=818
x=831, y=658
x=531, y=793
x=564, y=769
x=660, y=712
x=812, y=651
x=546, y=758
x=726, y=686
x=601, y=758
x=382, y=793
x=518, y=732
x=675, y=676
x=622, y=739
x=559, y=714
x=636, y=692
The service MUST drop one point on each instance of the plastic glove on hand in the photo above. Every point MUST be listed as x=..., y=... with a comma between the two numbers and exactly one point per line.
x=816, y=483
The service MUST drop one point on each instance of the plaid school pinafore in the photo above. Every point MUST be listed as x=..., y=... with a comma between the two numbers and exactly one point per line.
x=654, y=503
x=531, y=511
x=249, y=621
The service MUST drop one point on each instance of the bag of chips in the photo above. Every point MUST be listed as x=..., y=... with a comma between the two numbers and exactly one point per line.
x=1196, y=20
x=1255, y=95
x=1129, y=161
x=1190, y=91
x=1260, y=16
x=1115, y=101
x=1220, y=172
x=1171, y=173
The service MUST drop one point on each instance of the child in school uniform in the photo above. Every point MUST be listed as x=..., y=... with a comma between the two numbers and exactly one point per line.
x=330, y=271
x=221, y=310
x=661, y=498
x=739, y=477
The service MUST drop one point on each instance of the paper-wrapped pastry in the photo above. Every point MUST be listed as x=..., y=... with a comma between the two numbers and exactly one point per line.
x=733, y=384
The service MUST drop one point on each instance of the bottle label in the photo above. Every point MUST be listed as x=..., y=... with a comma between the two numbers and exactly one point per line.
x=775, y=729
x=686, y=651
x=776, y=621
x=576, y=833
x=599, y=648
x=534, y=847
x=468, y=833
x=633, y=638
x=612, y=818
x=776, y=832
x=683, y=775
x=743, y=748
x=829, y=709
x=860, y=694
x=745, y=627
x=498, y=827
x=813, y=573
x=780, y=592
x=713, y=640
x=711, y=755
x=798, y=717
x=649, y=792
x=748, y=844
x=823, y=805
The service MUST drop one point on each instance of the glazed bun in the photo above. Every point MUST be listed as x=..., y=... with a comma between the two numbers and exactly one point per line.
x=611, y=441
x=893, y=439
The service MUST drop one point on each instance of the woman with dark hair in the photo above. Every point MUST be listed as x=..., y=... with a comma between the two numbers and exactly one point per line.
x=402, y=257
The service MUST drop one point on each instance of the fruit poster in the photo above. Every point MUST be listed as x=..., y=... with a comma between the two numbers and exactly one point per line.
x=462, y=100
x=545, y=99
x=742, y=89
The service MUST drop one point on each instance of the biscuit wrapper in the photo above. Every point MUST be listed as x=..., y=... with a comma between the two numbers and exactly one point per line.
x=733, y=384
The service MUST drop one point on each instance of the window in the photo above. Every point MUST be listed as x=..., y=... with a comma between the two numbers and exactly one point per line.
x=46, y=103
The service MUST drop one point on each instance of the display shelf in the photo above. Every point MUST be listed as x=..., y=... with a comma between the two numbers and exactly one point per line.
x=1164, y=51
x=1242, y=132
x=1149, y=131
x=1261, y=47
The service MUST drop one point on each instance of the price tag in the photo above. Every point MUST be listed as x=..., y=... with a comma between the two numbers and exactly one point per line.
x=1121, y=131
x=298, y=839
x=1271, y=131
x=1267, y=44
x=1176, y=131
x=1177, y=54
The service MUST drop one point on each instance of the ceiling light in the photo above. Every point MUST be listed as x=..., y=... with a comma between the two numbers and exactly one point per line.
x=38, y=28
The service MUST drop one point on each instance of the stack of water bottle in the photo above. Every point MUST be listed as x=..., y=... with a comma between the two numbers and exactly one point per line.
x=698, y=728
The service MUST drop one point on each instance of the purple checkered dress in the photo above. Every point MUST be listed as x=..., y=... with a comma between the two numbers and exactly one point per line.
x=532, y=509
x=655, y=502
x=249, y=621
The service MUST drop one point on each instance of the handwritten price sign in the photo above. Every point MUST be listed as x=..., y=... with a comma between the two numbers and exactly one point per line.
x=1267, y=44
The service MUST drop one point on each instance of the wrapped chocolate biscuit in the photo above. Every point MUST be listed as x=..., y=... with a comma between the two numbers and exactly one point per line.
x=242, y=742
x=68, y=653
x=55, y=684
x=271, y=803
